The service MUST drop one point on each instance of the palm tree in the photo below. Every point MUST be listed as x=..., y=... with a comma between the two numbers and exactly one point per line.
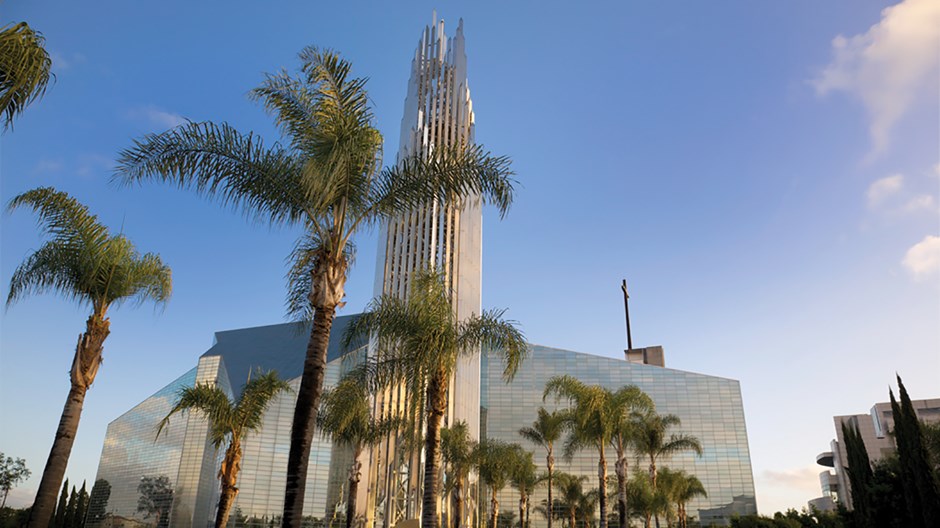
x=644, y=500
x=652, y=443
x=547, y=429
x=25, y=69
x=83, y=262
x=228, y=422
x=627, y=404
x=420, y=341
x=326, y=179
x=594, y=421
x=496, y=460
x=573, y=500
x=524, y=478
x=346, y=418
x=680, y=488
x=459, y=454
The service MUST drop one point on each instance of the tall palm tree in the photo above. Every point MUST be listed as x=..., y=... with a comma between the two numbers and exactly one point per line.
x=627, y=405
x=524, y=477
x=25, y=70
x=84, y=262
x=229, y=422
x=594, y=420
x=546, y=430
x=680, y=488
x=346, y=418
x=652, y=442
x=496, y=459
x=420, y=341
x=326, y=178
x=459, y=454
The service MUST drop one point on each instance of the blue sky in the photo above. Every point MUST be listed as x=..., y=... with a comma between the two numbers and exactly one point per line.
x=765, y=175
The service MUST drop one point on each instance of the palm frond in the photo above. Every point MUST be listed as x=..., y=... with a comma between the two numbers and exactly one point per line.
x=461, y=171
x=496, y=335
x=304, y=259
x=62, y=217
x=25, y=70
x=208, y=400
x=50, y=268
x=254, y=399
x=217, y=160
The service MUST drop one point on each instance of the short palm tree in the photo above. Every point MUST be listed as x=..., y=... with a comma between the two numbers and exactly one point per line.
x=25, y=70
x=346, y=418
x=327, y=180
x=545, y=431
x=459, y=454
x=229, y=422
x=496, y=460
x=596, y=419
x=651, y=440
x=680, y=488
x=572, y=500
x=524, y=478
x=84, y=262
x=645, y=499
x=420, y=341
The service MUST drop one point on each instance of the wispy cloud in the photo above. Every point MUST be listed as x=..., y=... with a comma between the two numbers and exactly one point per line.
x=91, y=164
x=888, y=66
x=921, y=202
x=65, y=61
x=803, y=479
x=45, y=166
x=881, y=190
x=923, y=258
x=157, y=117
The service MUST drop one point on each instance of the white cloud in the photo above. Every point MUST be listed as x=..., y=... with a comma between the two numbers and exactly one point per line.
x=156, y=117
x=882, y=189
x=888, y=66
x=90, y=164
x=923, y=258
x=65, y=61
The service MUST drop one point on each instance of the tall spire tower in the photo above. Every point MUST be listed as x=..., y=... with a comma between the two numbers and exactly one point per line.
x=444, y=235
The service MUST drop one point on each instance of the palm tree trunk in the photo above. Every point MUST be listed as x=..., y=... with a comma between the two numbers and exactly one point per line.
x=521, y=510
x=571, y=519
x=458, y=507
x=226, y=500
x=602, y=487
x=436, y=393
x=305, y=415
x=494, y=503
x=228, y=474
x=351, y=499
x=84, y=369
x=621, y=469
x=550, y=463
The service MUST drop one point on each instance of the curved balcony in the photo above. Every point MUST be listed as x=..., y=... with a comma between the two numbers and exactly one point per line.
x=825, y=459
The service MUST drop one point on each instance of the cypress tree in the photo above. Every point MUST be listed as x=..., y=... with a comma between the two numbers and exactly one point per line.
x=81, y=508
x=59, y=521
x=860, y=474
x=70, y=510
x=920, y=485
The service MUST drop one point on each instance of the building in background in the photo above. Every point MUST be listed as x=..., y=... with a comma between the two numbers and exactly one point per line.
x=875, y=429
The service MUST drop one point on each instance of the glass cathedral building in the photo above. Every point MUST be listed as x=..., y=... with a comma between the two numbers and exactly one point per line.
x=710, y=408
x=170, y=480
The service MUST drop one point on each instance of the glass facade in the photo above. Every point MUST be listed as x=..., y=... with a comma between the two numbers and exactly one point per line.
x=710, y=408
x=172, y=480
